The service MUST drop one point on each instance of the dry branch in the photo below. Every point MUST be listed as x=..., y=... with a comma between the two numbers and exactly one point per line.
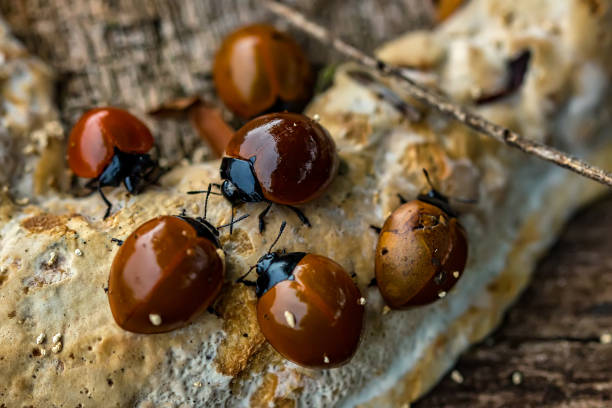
x=435, y=100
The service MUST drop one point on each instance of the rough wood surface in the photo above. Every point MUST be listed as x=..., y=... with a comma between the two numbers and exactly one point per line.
x=138, y=53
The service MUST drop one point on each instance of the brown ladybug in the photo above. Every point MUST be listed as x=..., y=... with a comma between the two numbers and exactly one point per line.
x=259, y=69
x=110, y=146
x=165, y=273
x=309, y=308
x=283, y=158
x=421, y=253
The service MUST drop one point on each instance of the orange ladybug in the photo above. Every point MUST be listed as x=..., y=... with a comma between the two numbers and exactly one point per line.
x=421, y=252
x=259, y=69
x=110, y=146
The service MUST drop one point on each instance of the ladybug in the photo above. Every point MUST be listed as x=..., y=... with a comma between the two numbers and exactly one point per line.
x=167, y=271
x=309, y=309
x=259, y=69
x=283, y=158
x=421, y=252
x=109, y=145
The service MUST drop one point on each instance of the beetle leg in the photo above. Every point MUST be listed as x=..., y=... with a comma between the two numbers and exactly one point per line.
x=92, y=184
x=129, y=185
x=262, y=222
x=108, y=203
x=118, y=241
x=402, y=199
x=375, y=228
x=300, y=215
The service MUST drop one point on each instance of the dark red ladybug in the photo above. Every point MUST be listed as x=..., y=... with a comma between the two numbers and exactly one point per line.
x=421, y=253
x=309, y=308
x=259, y=69
x=283, y=158
x=110, y=146
x=165, y=273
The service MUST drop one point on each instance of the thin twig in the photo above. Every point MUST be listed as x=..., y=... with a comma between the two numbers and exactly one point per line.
x=435, y=100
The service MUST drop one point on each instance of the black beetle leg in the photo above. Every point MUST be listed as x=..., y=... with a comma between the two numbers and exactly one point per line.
x=92, y=184
x=375, y=228
x=108, y=203
x=118, y=241
x=261, y=216
x=402, y=199
x=300, y=215
x=129, y=185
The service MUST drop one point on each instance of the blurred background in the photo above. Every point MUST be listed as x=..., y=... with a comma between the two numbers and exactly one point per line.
x=554, y=347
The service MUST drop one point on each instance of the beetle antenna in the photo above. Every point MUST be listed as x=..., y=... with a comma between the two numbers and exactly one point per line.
x=206, y=201
x=280, y=232
x=457, y=199
x=233, y=221
x=243, y=277
x=428, y=179
x=231, y=225
x=203, y=192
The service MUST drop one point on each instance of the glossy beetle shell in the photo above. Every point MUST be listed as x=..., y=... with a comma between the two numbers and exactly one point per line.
x=316, y=318
x=258, y=66
x=421, y=253
x=164, y=270
x=98, y=132
x=295, y=157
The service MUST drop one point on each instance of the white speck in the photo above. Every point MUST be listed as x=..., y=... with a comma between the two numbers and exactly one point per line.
x=456, y=376
x=605, y=338
x=441, y=294
x=57, y=347
x=22, y=201
x=155, y=319
x=184, y=233
x=386, y=310
x=290, y=318
x=362, y=301
x=41, y=338
x=54, y=128
x=456, y=274
x=52, y=258
x=325, y=359
x=57, y=337
x=28, y=149
x=189, y=251
x=78, y=252
x=43, y=352
x=197, y=384
x=517, y=377
x=316, y=117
